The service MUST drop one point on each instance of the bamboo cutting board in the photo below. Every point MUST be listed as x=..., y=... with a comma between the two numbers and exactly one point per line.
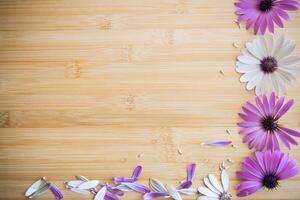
x=98, y=87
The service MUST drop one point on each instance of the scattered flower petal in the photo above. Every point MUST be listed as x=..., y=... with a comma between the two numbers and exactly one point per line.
x=88, y=185
x=157, y=186
x=101, y=194
x=137, y=187
x=35, y=187
x=217, y=143
x=173, y=192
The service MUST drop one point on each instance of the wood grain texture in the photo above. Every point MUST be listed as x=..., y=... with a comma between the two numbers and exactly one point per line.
x=88, y=86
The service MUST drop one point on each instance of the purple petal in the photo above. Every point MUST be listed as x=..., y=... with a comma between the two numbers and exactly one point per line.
x=137, y=172
x=247, y=176
x=134, y=177
x=278, y=105
x=218, y=143
x=137, y=187
x=54, y=189
x=119, y=180
x=191, y=172
x=284, y=109
x=109, y=196
x=248, y=187
x=115, y=191
x=282, y=14
x=277, y=19
x=153, y=195
x=290, y=131
x=185, y=185
x=57, y=193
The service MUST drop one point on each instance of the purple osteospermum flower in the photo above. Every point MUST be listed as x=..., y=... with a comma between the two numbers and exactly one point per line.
x=261, y=123
x=265, y=170
x=262, y=14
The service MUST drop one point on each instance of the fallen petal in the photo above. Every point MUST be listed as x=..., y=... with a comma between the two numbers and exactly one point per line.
x=100, y=195
x=217, y=143
x=157, y=186
x=88, y=185
x=34, y=187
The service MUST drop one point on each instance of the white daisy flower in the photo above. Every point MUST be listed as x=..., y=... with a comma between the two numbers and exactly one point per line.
x=214, y=190
x=267, y=64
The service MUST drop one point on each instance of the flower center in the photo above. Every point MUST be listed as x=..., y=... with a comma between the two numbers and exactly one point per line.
x=225, y=196
x=270, y=181
x=265, y=5
x=268, y=65
x=269, y=123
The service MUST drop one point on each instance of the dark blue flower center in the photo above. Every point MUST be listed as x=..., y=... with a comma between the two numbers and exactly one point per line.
x=268, y=64
x=265, y=5
x=270, y=181
x=269, y=123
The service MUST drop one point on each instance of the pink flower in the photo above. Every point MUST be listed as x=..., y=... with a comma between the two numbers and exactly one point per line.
x=261, y=126
x=263, y=14
x=265, y=170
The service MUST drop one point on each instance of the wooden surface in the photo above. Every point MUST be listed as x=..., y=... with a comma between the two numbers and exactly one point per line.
x=88, y=86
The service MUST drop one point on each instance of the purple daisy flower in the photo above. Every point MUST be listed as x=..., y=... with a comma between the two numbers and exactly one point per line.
x=261, y=126
x=265, y=170
x=263, y=14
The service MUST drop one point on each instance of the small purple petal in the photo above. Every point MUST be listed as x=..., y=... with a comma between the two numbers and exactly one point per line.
x=185, y=185
x=290, y=131
x=218, y=143
x=153, y=195
x=115, y=191
x=109, y=196
x=137, y=172
x=191, y=172
x=137, y=187
x=54, y=189
x=119, y=180
x=135, y=175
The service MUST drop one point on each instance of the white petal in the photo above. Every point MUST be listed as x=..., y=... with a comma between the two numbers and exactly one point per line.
x=248, y=59
x=269, y=43
x=275, y=83
x=285, y=51
x=225, y=180
x=207, y=198
x=75, y=183
x=281, y=83
x=288, y=76
x=253, y=50
x=34, y=187
x=173, y=192
x=290, y=69
x=261, y=43
x=243, y=68
x=157, y=186
x=79, y=191
x=88, y=185
x=188, y=191
x=278, y=44
x=207, y=192
x=249, y=75
x=100, y=195
x=124, y=188
x=291, y=60
x=209, y=185
x=254, y=82
x=263, y=86
x=213, y=180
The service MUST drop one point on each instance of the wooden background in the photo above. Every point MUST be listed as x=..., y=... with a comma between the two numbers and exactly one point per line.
x=97, y=87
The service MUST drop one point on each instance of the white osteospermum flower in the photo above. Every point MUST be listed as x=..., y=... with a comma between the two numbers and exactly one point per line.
x=214, y=190
x=267, y=64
